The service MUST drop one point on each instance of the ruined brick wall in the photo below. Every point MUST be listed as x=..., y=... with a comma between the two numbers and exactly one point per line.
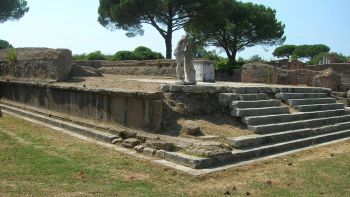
x=38, y=63
x=264, y=73
x=342, y=69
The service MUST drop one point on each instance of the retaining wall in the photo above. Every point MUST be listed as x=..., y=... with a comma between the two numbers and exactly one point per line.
x=142, y=110
x=164, y=67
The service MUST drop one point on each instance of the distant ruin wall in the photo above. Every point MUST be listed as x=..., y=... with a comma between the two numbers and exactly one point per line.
x=129, y=108
x=342, y=69
x=164, y=67
x=38, y=63
x=263, y=73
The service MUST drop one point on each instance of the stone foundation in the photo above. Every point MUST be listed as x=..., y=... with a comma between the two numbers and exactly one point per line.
x=141, y=110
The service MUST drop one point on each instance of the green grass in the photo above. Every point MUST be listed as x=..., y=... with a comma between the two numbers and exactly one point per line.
x=37, y=161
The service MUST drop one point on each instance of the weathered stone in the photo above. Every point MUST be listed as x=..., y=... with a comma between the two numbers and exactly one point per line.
x=149, y=151
x=184, y=54
x=208, y=151
x=259, y=73
x=160, y=145
x=205, y=71
x=38, y=63
x=190, y=128
x=139, y=148
x=226, y=98
x=328, y=78
x=130, y=143
x=117, y=141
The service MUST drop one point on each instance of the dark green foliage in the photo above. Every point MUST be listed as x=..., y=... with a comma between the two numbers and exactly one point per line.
x=144, y=53
x=166, y=16
x=80, y=56
x=12, y=9
x=256, y=58
x=140, y=53
x=227, y=65
x=310, y=51
x=284, y=51
x=246, y=25
x=123, y=55
x=5, y=45
x=96, y=55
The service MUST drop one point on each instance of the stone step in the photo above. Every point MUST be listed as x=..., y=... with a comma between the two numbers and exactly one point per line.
x=248, y=154
x=287, y=96
x=245, y=112
x=254, y=97
x=304, y=90
x=100, y=135
x=286, y=126
x=259, y=140
x=319, y=107
x=294, y=102
x=269, y=119
x=255, y=104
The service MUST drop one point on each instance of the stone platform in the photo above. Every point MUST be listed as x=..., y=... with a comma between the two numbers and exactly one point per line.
x=280, y=118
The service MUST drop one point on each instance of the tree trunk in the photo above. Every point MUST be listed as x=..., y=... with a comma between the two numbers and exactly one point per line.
x=231, y=55
x=169, y=47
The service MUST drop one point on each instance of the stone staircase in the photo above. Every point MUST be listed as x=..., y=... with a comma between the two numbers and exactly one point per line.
x=286, y=121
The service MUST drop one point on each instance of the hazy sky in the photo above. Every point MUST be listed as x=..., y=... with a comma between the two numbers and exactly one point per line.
x=73, y=24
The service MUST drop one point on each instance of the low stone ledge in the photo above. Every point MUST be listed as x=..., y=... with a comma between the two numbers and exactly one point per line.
x=105, y=91
x=244, y=89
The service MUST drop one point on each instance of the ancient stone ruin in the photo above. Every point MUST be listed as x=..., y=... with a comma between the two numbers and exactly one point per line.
x=196, y=129
x=263, y=73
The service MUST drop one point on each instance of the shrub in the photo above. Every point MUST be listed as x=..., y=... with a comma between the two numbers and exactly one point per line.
x=11, y=56
x=144, y=53
x=123, y=55
x=227, y=65
x=96, y=55
x=80, y=56
x=5, y=45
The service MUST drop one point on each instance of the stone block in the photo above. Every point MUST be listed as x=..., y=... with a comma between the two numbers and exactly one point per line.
x=135, y=113
x=118, y=109
x=160, y=145
x=205, y=71
x=130, y=143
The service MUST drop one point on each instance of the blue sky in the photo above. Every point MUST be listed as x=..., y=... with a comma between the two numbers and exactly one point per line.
x=73, y=24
